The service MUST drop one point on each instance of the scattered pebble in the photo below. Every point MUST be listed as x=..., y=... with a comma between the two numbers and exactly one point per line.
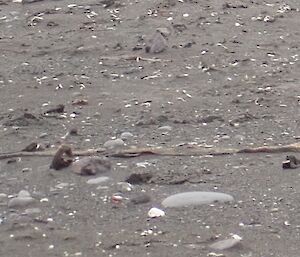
x=114, y=143
x=43, y=135
x=165, y=31
x=239, y=138
x=26, y=170
x=225, y=137
x=2, y=195
x=117, y=198
x=95, y=181
x=126, y=135
x=226, y=243
x=76, y=94
x=165, y=128
x=61, y=185
x=124, y=187
x=195, y=198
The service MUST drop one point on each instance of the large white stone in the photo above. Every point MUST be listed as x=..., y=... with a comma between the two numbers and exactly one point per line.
x=195, y=198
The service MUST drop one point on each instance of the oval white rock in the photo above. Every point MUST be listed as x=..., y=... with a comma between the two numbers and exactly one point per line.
x=155, y=213
x=195, y=198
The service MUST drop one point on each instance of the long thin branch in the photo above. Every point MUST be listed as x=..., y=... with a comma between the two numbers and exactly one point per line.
x=162, y=151
x=133, y=58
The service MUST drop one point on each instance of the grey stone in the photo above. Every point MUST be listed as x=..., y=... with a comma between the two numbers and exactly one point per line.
x=239, y=137
x=195, y=198
x=20, y=202
x=76, y=94
x=124, y=187
x=164, y=31
x=32, y=211
x=225, y=137
x=165, y=128
x=114, y=143
x=226, y=243
x=24, y=193
x=156, y=44
x=98, y=180
x=62, y=185
x=141, y=199
x=91, y=165
x=126, y=135
x=43, y=135
x=2, y=195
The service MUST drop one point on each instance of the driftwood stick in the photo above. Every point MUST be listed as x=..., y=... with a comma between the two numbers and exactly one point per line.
x=132, y=58
x=273, y=149
x=162, y=151
x=88, y=152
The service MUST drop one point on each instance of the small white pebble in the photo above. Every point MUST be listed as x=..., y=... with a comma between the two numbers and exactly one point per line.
x=155, y=212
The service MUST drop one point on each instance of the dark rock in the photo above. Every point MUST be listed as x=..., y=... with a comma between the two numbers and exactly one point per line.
x=57, y=109
x=156, y=44
x=33, y=147
x=62, y=158
x=210, y=118
x=23, y=120
x=140, y=199
x=291, y=162
x=139, y=178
